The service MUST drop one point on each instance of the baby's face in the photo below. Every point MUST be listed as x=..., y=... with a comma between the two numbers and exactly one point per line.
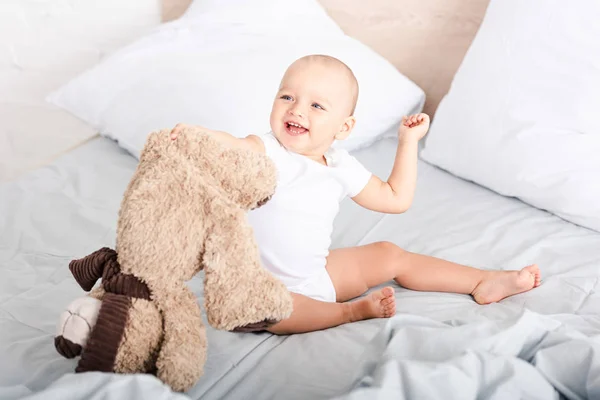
x=312, y=107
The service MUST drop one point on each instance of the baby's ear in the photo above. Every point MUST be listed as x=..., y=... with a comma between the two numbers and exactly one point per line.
x=346, y=128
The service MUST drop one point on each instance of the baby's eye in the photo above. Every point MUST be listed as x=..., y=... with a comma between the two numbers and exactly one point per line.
x=318, y=106
x=286, y=97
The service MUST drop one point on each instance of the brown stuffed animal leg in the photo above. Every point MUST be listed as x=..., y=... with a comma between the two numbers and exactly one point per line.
x=143, y=336
x=182, y=356
x=76, y=322
x=103, y=343
x=239, y=294
x=126, y=337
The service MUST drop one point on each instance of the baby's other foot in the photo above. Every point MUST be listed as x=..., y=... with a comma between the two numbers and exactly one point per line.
x=498, y=285
x=379, y=304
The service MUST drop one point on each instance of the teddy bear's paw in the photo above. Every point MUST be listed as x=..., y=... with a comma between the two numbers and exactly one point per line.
x=75, y=325
x=248, y=305
x=181, y=371
x=256, y=327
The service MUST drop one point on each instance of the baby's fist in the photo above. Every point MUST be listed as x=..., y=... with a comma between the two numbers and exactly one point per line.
x=414, y=126
x=177, y=130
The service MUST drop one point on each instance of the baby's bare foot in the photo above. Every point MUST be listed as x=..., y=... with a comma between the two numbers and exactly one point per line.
x=498, y=285
x=379, y=304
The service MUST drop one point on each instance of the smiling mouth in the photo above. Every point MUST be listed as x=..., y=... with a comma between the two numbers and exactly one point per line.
x=295, y=129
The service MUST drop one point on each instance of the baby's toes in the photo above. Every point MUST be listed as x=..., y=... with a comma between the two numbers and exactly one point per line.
x=390, y=310
x=388, y=307
x=387, y=301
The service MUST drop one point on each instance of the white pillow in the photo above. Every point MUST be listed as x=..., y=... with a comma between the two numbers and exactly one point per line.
x=522, y=114
x=220, y=65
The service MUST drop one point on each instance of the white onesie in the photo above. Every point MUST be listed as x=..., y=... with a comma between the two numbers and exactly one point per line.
x=293, y=230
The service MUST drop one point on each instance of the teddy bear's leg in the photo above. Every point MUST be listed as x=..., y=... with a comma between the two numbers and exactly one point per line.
x=183, y=353
x=239, y=294
x=75, y=325
x=88, y=270
x=142, y=338
x=105, y=337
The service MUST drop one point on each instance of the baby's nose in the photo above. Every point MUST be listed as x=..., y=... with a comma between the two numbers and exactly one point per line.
x=296, y=111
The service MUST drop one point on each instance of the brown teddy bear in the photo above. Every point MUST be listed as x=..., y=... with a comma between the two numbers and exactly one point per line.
x=184, y=210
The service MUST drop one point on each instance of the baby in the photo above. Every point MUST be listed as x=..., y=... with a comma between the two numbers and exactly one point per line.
x=314, y=107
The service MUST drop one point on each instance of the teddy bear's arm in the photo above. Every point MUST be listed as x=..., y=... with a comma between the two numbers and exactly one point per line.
x=239, y=294
x=183, y=353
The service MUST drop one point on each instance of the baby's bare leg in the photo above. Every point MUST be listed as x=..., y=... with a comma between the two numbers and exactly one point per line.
x=354, y=270
x=312, y=315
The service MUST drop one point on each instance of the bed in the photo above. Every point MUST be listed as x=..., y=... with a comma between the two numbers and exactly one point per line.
x=68, y=208
x=543, y=344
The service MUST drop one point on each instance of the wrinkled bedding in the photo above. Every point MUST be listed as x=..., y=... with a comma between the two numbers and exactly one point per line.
x=541, y=344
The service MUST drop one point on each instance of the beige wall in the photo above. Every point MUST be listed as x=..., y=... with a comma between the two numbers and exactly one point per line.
x=425, y=39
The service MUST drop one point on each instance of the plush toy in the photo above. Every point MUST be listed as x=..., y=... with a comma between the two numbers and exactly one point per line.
x=184, y=210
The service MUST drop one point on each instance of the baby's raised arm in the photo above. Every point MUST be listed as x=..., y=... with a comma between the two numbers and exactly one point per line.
x=395, y=196
x=250, y=142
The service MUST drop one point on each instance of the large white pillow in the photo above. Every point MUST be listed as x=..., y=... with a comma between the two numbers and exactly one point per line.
x=522, y=116
x=220, y=66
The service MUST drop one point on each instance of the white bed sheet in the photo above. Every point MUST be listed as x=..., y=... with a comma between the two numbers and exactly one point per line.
x=68, y=209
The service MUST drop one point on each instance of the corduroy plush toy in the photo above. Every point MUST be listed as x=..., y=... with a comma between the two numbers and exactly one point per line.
x=184, y=210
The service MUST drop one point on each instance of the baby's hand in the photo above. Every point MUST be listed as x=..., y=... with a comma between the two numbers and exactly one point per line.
x=177, y=130
x=414, y=127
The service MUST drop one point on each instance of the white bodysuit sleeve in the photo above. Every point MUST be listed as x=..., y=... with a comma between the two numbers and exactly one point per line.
x=354, y=175
x=272, y=146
